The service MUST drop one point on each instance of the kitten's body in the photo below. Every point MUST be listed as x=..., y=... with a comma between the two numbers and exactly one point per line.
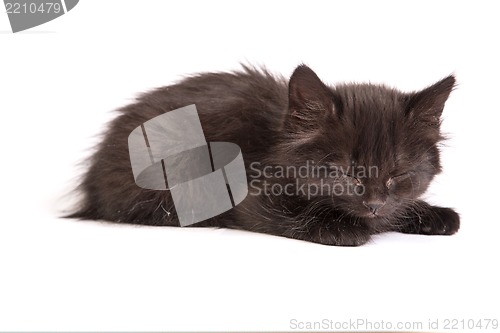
x=277, y=123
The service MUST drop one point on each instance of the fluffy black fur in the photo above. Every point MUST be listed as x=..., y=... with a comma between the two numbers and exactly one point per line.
x=349, y=127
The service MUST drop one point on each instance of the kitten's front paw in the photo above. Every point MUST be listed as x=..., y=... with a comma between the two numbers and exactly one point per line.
x=437, y=221
x=352, y=240
x=342, y=236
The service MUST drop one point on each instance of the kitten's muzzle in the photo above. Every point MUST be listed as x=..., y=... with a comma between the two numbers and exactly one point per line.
x=374, y=205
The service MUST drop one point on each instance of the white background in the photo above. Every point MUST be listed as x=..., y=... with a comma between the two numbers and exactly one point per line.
x=60, y=81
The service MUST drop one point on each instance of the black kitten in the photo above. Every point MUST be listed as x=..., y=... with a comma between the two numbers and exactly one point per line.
x=331, y=165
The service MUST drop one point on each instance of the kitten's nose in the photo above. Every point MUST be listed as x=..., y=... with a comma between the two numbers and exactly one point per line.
x=374, y=205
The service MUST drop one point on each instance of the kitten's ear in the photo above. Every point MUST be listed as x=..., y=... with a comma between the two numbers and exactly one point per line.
x=309, y=99
x=427, y=105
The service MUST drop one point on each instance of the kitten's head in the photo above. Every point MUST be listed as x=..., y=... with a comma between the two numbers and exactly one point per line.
x=380, y=144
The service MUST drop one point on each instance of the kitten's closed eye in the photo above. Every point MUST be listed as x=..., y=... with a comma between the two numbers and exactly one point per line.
x=346, y=173
x=392, y=181
x=353, y=179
